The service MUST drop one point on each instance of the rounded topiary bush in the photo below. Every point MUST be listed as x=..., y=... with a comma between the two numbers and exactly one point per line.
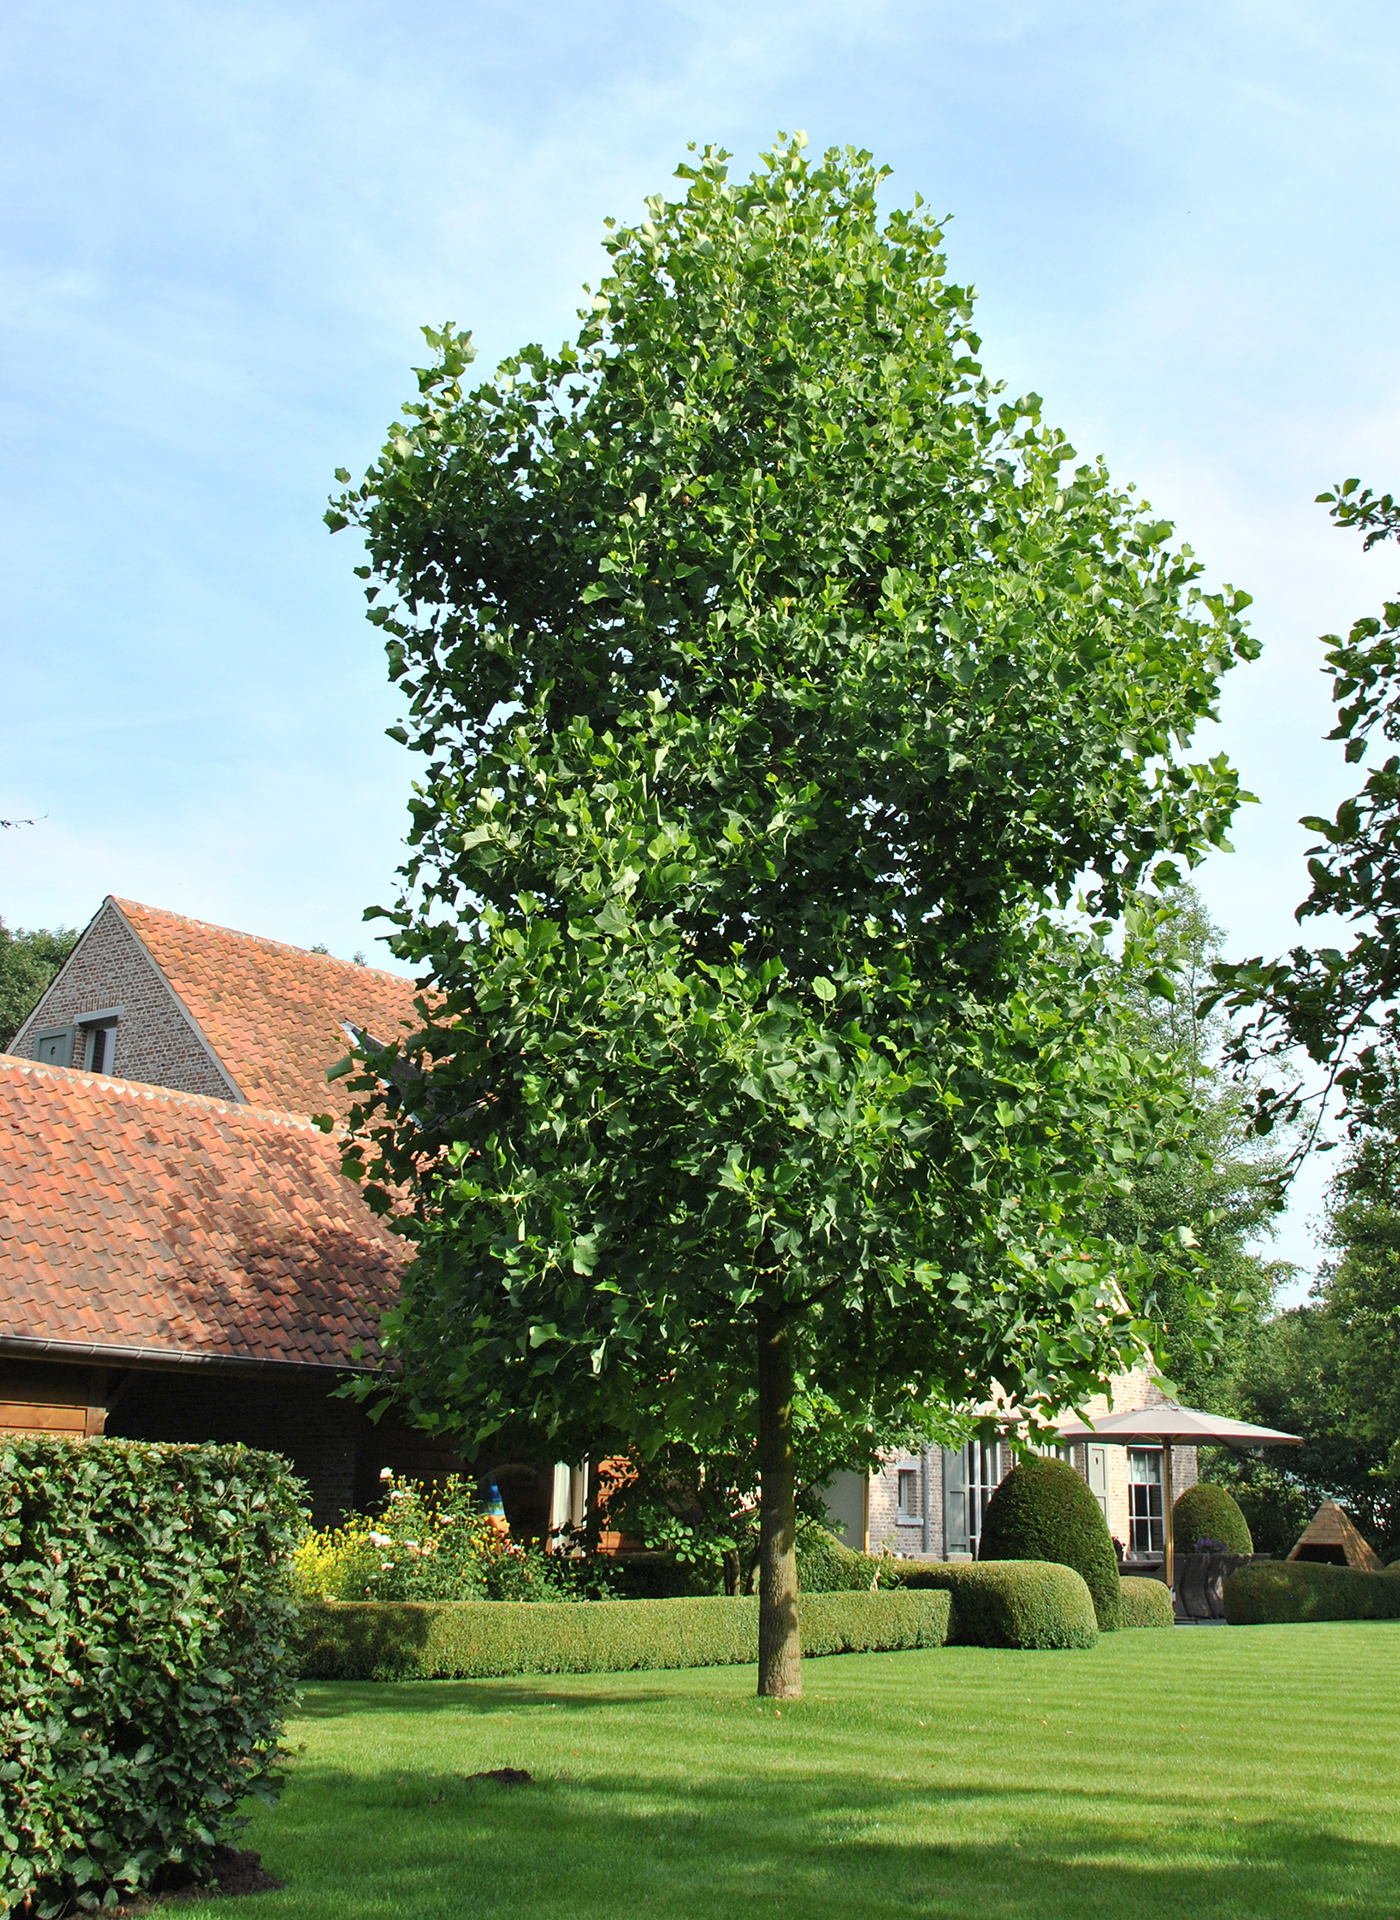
x=1043, y=1511
x=827, y=1565
x=1206, y=1512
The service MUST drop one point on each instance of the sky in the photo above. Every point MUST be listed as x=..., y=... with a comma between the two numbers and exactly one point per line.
x=221, y=228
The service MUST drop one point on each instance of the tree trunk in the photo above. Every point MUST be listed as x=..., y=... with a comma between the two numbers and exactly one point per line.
x=779, y=1642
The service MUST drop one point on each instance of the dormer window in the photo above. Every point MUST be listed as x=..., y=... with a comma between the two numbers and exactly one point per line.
x=97, y=1040
x=100, y=1048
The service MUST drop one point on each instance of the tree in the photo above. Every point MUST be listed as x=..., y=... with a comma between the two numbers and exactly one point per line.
x=29, y=959
x=1330, y=1369
x=775, y=678
x=1341, y=1007
x=1225, y=1187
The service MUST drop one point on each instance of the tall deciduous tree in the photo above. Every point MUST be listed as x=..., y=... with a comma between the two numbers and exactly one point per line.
x=774, y=677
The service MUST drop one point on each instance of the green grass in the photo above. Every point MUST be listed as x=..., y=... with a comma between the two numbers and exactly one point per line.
x=1248, y=1772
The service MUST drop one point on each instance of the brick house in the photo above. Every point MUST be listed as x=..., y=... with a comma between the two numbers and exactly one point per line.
x=931, y=1505
x=180, y=1255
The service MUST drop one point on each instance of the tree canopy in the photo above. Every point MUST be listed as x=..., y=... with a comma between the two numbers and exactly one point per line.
x=29, y=959
x=775, y=679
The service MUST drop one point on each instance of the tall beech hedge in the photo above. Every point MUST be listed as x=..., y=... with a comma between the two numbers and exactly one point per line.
x=145, y=1624
x=479, y=1639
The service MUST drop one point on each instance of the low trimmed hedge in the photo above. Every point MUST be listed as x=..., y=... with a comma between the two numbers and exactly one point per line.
x=145, y=1662
x=485, y=1639
x=1147, y=1603
x=1285, y=1591
x=1010, y=1603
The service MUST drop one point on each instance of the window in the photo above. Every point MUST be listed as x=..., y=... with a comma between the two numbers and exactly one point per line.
x=1146, y=1533
x=909, y=1502
x=101, y=1049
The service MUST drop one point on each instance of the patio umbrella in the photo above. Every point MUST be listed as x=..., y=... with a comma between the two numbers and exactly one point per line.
x=1173, y=1426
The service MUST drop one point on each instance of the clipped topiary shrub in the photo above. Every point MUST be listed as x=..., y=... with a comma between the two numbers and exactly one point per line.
x=1147, y=1603
x=484, y=1639
x=827, y=1565
x=1212, y=1513
x=1043, y=1511
x=1010, y=1603
x=146, y=1618
x=1279, y=1592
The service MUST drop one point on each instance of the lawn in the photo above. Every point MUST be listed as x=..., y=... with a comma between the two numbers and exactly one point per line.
x=1241, y=1772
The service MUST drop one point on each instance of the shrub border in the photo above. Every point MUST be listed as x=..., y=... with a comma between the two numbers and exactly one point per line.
x=489, y=1639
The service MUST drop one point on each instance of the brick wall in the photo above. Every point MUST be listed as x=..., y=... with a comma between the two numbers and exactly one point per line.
x=157, y=1043
x=1130, y=1392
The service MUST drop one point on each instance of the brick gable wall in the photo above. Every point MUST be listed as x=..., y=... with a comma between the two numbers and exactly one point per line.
x=157, y=1043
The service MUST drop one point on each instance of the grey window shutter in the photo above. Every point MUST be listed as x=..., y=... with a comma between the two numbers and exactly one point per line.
x=53, y=1046
x=955, y=1535
x=1097, y=1475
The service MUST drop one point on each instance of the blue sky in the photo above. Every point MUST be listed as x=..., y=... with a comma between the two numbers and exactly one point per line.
x=223, y=226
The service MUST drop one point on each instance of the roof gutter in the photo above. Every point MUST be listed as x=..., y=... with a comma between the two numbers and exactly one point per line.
x=96, y=1353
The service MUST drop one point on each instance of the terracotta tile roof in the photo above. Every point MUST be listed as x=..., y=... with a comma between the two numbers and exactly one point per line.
x=272, y=1013
x=136, y=1217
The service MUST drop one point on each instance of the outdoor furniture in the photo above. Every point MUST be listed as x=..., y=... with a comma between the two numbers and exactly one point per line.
x=1199, y=1593
x=1168, y=1426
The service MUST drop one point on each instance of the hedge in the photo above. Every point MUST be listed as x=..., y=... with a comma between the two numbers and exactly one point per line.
x=827, y=1565
x=1043, y=1510
x=146, y=1617
x=1010, y=1603
x=1208, y=1512
x=1147, y=1603
x=1283, y=1591
x=483, y=1639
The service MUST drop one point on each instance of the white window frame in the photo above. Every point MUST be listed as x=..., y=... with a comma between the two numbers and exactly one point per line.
x=908, y=1497
x=1147, y=1532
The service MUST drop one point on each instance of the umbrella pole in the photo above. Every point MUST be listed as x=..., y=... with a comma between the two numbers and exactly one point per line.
x=1167, y=1567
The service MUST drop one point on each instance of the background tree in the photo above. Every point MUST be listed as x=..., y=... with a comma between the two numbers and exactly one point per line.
x=1321, y=1370
x=1340, y=1006
x=29, y=959
x=774, y=678
x=1225, y=1187
x=1330, y=1368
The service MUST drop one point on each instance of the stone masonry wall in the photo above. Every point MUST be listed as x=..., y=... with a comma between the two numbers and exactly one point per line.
x=157, y=1043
